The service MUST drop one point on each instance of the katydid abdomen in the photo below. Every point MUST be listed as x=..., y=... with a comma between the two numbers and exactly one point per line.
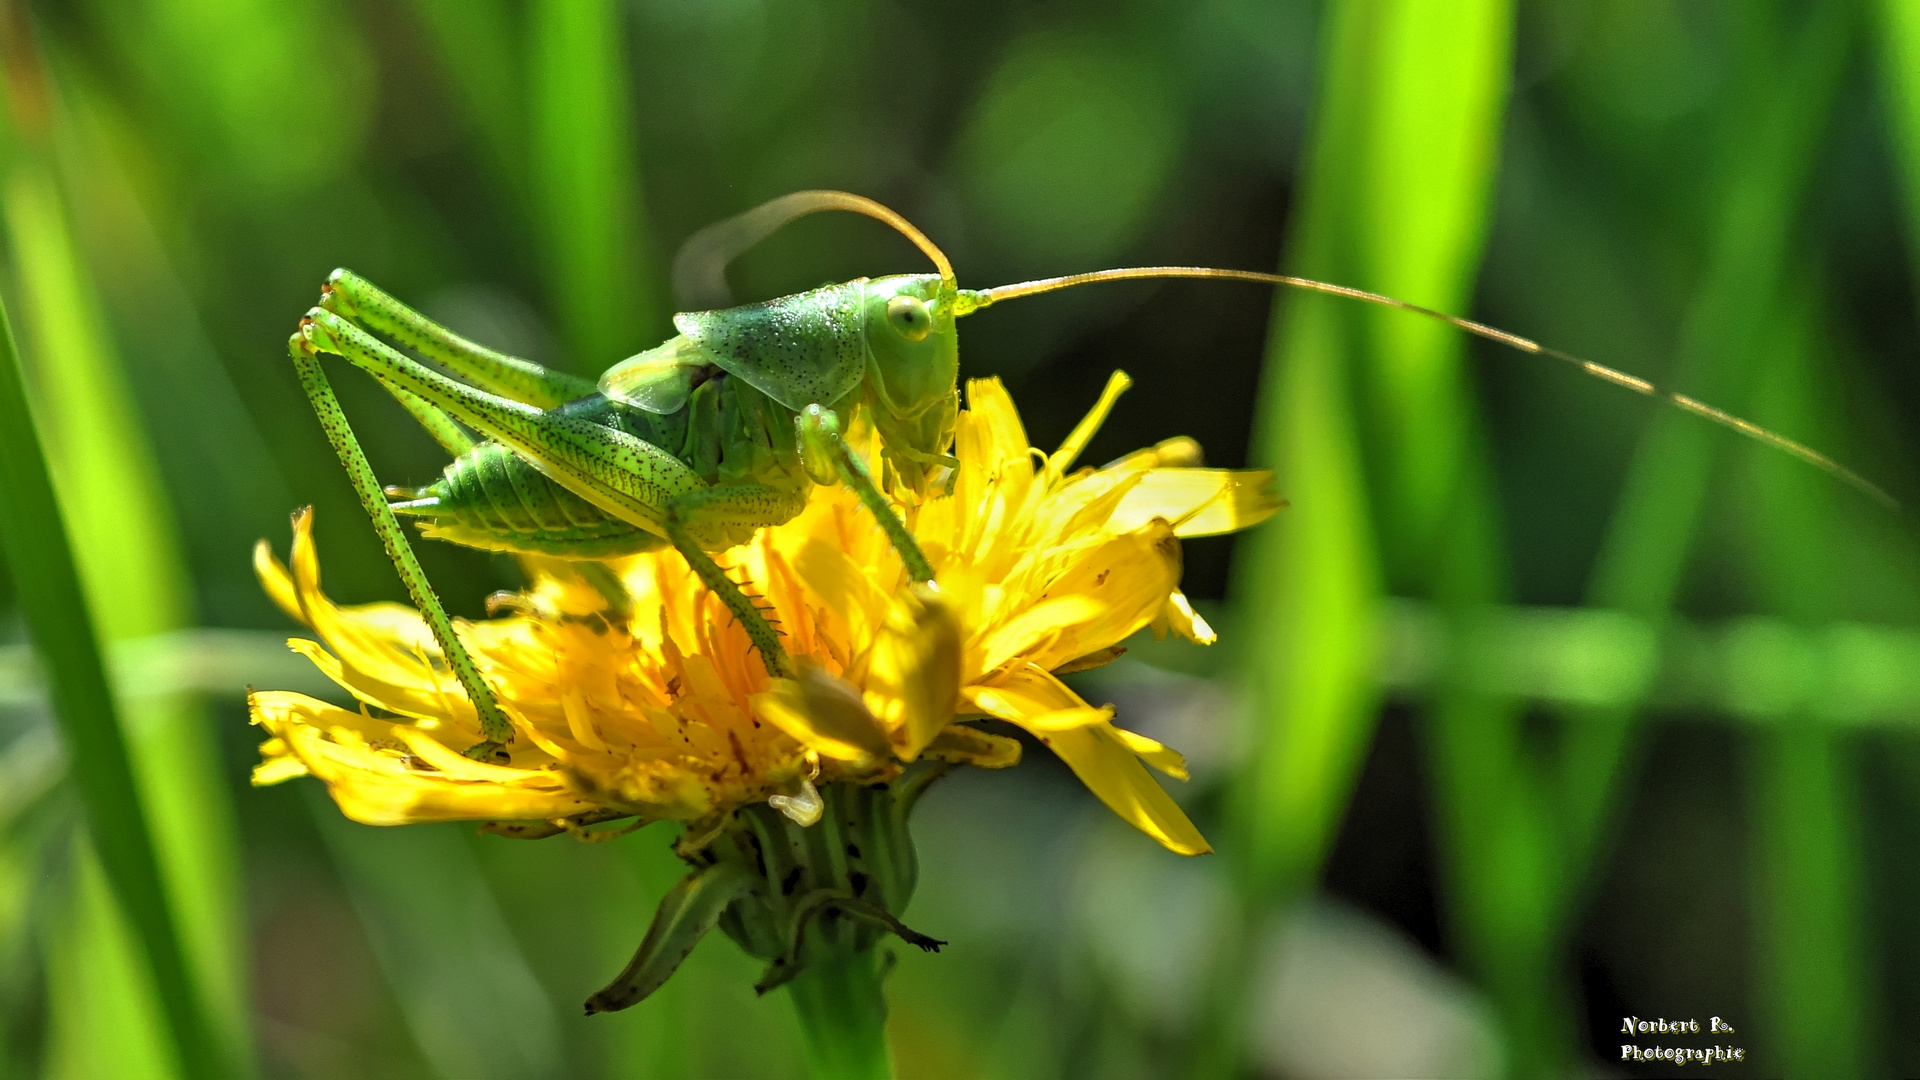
x=491, y=498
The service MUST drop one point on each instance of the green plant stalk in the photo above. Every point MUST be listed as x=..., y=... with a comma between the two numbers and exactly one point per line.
x=1409, y=113
x=1808, y=912
x=1652, y=529
x=843, y=1016
x=1416, y=227
x=586, y=183
x=124, y=543
x=34, y=538
x=1308, y=583
x=1308, y=589
x=1897, y=30
x=1807, y=906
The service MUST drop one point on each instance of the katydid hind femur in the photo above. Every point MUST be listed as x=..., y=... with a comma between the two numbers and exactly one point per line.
x=719, y=431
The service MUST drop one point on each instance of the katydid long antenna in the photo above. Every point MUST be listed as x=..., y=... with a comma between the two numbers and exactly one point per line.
x=971, y=300
x=700, y=267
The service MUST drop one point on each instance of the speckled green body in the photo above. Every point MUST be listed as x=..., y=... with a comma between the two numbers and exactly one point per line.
x=743, y=376
x=800, y=350
x=697, y=443
x=728, y=433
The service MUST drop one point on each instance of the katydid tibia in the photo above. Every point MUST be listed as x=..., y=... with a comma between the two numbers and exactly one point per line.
x=719, y=431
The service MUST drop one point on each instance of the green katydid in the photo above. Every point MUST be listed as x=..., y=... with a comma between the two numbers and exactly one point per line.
x=719, y=431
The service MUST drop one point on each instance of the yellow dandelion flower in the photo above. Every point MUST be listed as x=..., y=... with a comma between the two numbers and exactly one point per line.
x=635, y=694
x=667, y=714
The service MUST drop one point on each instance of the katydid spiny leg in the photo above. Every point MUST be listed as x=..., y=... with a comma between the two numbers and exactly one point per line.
x=496, y=731
x=828, y=456
x=624, y=476
x=354, y=297
x=743, y=504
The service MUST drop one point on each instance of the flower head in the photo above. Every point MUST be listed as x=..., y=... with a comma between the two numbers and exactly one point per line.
x=651, y=704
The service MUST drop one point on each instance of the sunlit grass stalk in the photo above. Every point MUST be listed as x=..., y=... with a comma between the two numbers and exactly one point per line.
x=1777, y=140
x=1401, y=83
x=591, y=226
x=137, y=585
x=1768, y=167
x=1418, y=226
x=134, y=585
x=1809, y=916
x=1307, y=586
x=33, y=533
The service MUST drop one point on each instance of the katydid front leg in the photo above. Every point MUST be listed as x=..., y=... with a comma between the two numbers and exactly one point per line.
x=496, y=731
x=828, y=457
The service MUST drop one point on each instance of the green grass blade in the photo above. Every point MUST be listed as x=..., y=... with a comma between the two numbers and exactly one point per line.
x=586, y=183
x=1898, y=33
x=1807, y=921
x=1652, y=529
x=1436, y=86
x=475, y=40
x=1808, y=914
x=132, y=570
x=1399, y=79
x=1308, y=582
x=33, y=534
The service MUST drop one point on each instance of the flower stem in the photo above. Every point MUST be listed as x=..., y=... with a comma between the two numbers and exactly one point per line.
x=843, y=1016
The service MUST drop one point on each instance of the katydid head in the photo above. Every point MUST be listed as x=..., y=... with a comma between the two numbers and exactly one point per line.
x=913, y=370
x=886, y=342
x=913, y=354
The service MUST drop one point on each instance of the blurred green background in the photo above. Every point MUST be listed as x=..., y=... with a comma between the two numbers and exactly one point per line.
x=1542, y=706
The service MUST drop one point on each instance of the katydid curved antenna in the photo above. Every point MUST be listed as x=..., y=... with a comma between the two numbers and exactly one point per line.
x=700, y=267
x=972, y=300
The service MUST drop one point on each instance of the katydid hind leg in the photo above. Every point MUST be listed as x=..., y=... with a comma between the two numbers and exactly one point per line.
x=624, y=476
x=496, y=731
x=354, y=297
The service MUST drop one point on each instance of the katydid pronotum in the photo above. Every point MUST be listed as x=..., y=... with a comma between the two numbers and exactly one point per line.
x=718, y=432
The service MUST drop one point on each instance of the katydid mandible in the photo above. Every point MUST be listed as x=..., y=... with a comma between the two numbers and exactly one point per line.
x=721, y=430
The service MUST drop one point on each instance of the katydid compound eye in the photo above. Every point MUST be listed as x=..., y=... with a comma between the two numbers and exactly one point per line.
x=909, y=317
